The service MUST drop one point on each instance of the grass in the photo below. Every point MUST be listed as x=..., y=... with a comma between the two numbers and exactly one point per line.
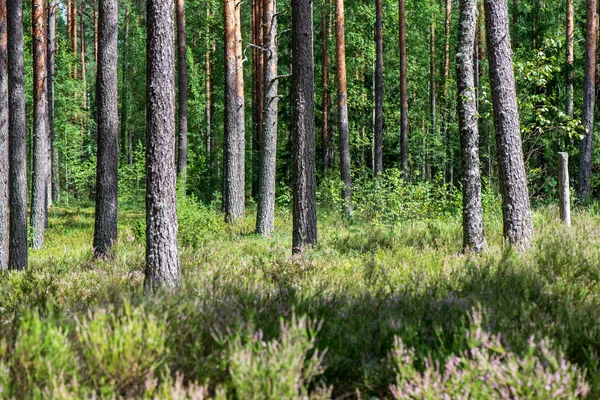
x=254, y=321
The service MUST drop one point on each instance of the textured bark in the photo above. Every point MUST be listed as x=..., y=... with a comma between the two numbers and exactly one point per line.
x=265, y=221
x=40, y=125
x=589, y=95
x=326, y=99
x=473, y=230
x=447, y=162
x=378, y=164
x=234, y=140
x=4, y=162
x=54, y=159
x=125, y=139
x=569, y=57
x=105, y=230
x=95, y=31
x=83, y=63
x=182, y=155
x=343, y=129
x=403, y=92
x=162, y=257
x=563, y=188
x=17, y=138
x=516, y=211
x=303, y=138
x=257, y=92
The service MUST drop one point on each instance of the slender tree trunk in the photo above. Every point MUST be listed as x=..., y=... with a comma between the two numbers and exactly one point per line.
x=403, y=92
x=432, y=86
x=589, y=89
x=303, y=138
x=473, y=232
x=83, y=63
x=74, y=36
x=182, y=95
x=40, y=124
x=125, y=139
x=569, y=57
x=343, y=129
x=233, y=157
x=95, y=32
x=378, y=165
x=446, y=114
x=516, y=211
x=105, y=230
x=17, y=138
x=54, y=158
x=69, y=19
x=257, y=92
x=162, y=257
x=265, y=221
x=326, y=100
x=4, y=157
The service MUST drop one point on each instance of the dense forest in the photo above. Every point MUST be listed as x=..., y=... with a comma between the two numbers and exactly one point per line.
x=299, y=199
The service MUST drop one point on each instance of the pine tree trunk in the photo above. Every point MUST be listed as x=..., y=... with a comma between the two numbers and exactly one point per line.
x=473, y=232
x=516, y=211
x=4, y=157
x=17, y=138
x=105, y=230
x=257, y=92
x=343, y=129
x=569, y=57
x=125, y=137
x=74, y=37
x=378, y=165
x=265, y=221
x=83, y=63
x=55, y=165
x=403, y=92
x=162, y=257
x=447, y=167
x=40, y=125
x=432, y=86
x=303, y=138
x=95, y=32
x=589, y=89
x=326, y=100
x=182, y=95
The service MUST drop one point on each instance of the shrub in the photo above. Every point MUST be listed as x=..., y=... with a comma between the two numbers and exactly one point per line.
x=487, y=370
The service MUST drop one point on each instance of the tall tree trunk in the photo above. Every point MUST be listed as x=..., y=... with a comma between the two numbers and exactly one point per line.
x=40, y=124
x=105, y=230
x=17, y=138
x=432, y=86
x=74, y=36
x=257, y=92
x=473, y=232
x=265, y=221
x=69, y=19
x=378, y=165
x=589, y=95
x=303, y=126
x=516, y=211
x=233, y=157
x=343, y=129
x=162, y=257
x=403, y=92
x=4, y=161
x=125, y=137
x=446, y=114
x=569, y=58
x=182, y=96
x=326, y=100
x=83, y=62
x=54, y=159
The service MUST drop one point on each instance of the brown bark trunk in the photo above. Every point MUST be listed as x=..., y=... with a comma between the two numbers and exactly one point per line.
x=125, y=137
x=378, y=164
x=162, y=257
x=95, y=32
x=54, y=158
x=589, y=89
x=326, y=100
x=74, y=37
x=4, y=157
x=516, y=211
x=446, y=113
x=40, y=124
x=257, y=92
x=569, y=57
x=343, y=129
x=303, y=138
x=182, y=95
x=83, y=63
x=403, y=92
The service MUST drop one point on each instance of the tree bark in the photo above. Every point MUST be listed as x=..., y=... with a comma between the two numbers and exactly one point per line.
x=4, y=157
x=125, y=137
x=569, y=57
x=265, y=221
x=40, y=125
x=105, y=230
x=54, y=158
x=182, y=95
x=303, y=138
x=234, y=141
x=516, y=211
x=162, y=257
x=589, y=95
x=326, y=100
x=403, y=92
x=473, y=230
x=83, y=62
x=343, y=129
x=17, y=138
x=563, y=188
x=257, y=93
x=378, y=165
x=446, y=114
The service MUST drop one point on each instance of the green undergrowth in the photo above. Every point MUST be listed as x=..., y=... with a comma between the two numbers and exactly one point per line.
x=376, y=310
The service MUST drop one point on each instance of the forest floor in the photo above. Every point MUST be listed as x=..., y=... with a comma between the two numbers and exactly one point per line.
x=71, y=325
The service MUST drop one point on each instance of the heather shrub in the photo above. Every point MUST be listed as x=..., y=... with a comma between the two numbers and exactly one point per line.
x=488, y=370
x=282, y=368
